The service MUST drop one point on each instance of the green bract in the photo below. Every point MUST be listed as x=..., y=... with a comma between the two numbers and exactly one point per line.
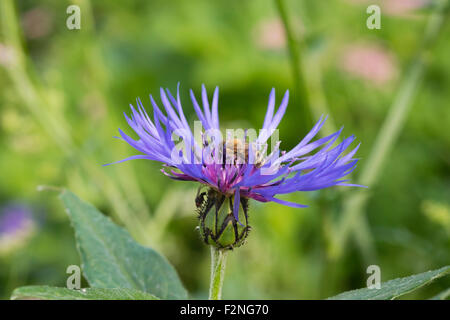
x=218, y=226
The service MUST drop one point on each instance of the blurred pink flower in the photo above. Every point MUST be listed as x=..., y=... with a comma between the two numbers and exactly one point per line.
x=402, y=8
x=369, y=62
x=37, y=23
x=7, y=57
x=269, y=34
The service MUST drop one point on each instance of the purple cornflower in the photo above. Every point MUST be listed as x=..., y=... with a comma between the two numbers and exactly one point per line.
x=229, y=173
x=16, y=225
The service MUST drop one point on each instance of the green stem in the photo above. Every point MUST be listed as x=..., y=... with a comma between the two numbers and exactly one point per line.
x=218, y=263
x=318, y=101
x=296, y=65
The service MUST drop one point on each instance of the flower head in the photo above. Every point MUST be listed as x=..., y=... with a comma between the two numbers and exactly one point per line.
x=237, y=168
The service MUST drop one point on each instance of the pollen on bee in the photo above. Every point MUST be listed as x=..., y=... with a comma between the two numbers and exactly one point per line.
x=236, y=151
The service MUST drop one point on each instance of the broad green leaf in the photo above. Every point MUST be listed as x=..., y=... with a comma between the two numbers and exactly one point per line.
x=394, y=288
x=112, y=259
x=55, y=293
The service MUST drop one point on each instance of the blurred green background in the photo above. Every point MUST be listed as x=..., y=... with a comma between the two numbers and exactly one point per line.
x=63, y=93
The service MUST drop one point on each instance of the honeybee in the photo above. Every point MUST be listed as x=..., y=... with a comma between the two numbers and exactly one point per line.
x=238, y=149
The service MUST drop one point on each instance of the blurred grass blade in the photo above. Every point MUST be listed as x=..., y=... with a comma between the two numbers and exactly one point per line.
x=55, y=293
x=318, y=100
x=112, y=259
x=444, y=295
x=301, y=91
x=394, y=288
x=387, y=136
x=55, y=125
